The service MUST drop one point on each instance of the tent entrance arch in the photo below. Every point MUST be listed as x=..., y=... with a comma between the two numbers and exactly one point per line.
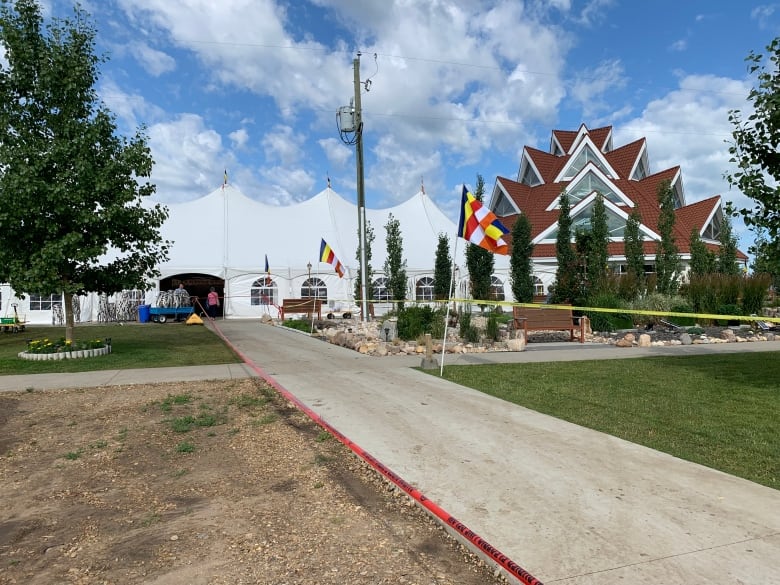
x=198, y=285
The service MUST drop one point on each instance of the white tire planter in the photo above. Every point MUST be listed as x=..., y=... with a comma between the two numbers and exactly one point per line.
x=66, y=355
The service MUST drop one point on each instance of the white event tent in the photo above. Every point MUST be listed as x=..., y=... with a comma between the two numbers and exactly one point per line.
x=223, y=239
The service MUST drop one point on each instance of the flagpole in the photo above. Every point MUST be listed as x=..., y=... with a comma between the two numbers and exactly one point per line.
x=449, y=299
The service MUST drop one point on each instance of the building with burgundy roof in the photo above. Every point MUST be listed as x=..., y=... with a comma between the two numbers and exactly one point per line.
x=582, y=163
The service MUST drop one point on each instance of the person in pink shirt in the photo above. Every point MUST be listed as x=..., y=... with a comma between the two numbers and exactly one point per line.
x=212, y=303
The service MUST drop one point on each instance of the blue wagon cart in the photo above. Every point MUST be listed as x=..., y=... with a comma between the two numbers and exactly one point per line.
x=163, y=314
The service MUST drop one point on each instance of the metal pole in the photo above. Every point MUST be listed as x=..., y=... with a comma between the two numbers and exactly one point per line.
x=361, y=195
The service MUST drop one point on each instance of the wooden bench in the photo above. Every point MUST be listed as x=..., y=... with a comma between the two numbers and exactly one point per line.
x=308, y=306
x=545, y=318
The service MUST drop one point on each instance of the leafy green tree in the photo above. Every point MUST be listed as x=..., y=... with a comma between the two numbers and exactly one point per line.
x=71, y=188
x=479, y=261
x=727, y=253
x=598, y=249
x=442, y=270
x=521, y=272
x=756, y=147
x=766, y=257
x=667, y=258
x=634, y=251
x=369, y=270
x=395, y=265
x=702, y=259
x=566, y=280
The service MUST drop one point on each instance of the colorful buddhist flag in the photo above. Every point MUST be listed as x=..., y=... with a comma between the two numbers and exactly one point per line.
x=480, y=226
x=327, y=255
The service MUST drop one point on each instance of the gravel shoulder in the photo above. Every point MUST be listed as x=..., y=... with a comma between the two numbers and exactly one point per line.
x=202, y=483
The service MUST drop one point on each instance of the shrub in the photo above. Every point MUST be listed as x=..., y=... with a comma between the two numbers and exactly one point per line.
x=706, y=293
x=491, y=328
x=682, y=321
x=730, y=309
x=468, y=332
x=416, y=321
x=600, y=320
x=754, y=291
x=655, y=302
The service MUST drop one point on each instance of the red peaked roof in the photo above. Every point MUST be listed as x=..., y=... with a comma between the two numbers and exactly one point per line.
x=537, y=202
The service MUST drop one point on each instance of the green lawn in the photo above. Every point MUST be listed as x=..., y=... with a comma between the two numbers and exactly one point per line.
x=135, y=345
x=721, y=411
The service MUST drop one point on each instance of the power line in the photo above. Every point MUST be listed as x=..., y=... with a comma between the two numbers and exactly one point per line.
x=567, y=82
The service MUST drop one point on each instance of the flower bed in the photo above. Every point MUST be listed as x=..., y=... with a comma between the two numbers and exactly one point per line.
x=45, y=349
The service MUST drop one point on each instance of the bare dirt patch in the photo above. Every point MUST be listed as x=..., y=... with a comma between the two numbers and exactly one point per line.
x=201, y=483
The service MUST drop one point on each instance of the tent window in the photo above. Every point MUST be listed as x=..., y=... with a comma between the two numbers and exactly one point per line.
x=496, y=289
x=263, y=292
x=424, y=289
x=314, y=288
x=538, y=287
x=380, y=289
x=44, y=303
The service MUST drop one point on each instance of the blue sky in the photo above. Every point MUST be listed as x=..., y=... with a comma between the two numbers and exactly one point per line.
x=457, y=88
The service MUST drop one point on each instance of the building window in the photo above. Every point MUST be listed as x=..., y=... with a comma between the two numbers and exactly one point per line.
x=424, y=289
x=381, y=293
x=496, y=289
x=314, y=288
x=44, y=303
x=538, y=287
x=263, y=292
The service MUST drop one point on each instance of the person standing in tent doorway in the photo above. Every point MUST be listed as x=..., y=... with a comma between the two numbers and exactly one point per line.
x=212, y=302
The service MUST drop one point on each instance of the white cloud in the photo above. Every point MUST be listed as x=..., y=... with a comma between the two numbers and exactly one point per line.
x=689, y=127
x=763, y=14
x=153, y=61
x=239, y=138
x=592, y=85
x=189, y=158
x=284, y=185
x=284, y=145
x=338, y=153
x=402, y=171
x=679, y=45
x=129, y=108
x=494, y=71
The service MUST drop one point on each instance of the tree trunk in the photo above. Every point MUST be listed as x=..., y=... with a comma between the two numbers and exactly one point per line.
x=68, y=297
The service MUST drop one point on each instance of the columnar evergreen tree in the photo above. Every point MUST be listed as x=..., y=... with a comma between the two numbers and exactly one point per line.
x=598, y=251
x=634, y=250
x=395, y=265
x=521, y=271
x=566, y=280
x=667, y=258
x=727, y=253
x=71, y=188
x=442, y=269
x=702, y=259
x=369, y=270
x=582, y=246
x=479, y=261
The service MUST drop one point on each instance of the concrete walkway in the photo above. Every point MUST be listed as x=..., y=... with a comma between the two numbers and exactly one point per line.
x=570, y=505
